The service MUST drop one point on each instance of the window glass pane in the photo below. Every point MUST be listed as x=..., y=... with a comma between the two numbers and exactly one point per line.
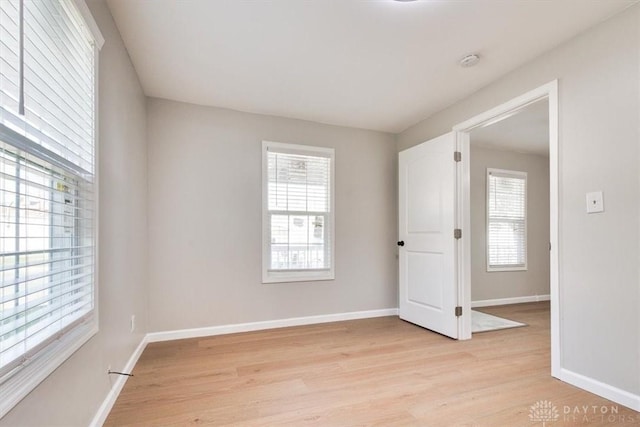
x=298, y=183
x=46, y=257
x=298, y=242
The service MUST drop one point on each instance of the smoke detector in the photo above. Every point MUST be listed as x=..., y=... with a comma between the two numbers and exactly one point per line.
x=469, y=60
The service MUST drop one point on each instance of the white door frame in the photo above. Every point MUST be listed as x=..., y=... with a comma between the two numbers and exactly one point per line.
x=548, y=91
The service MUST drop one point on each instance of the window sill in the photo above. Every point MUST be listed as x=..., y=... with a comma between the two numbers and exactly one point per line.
x=505, y=269
x=30, y=375
x=297, y=276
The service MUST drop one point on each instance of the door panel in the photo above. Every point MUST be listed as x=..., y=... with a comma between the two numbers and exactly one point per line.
x=428, y=287
x=423, y=201
x=424, y=273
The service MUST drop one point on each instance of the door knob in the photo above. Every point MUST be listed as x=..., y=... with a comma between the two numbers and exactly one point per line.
x=401, y=243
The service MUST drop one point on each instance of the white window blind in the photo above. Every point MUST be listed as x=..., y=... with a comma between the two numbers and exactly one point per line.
x=506, y=220
x=46, y=260
x=299, y=213
x=48, y=97
x=47, y=156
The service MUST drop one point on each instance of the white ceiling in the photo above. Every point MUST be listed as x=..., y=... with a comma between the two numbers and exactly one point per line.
x=524, y=132
x=373, y=64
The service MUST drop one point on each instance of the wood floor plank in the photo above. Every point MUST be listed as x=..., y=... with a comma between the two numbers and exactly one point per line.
x=371, y=372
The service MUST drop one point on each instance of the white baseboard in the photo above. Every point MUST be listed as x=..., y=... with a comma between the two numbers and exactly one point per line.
x=507, y=301
x=268, y=324
x=607, y=391
x=101, y=416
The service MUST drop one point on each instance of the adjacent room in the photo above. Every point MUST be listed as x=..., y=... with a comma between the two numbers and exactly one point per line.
x=510, y=231
x=332, y=213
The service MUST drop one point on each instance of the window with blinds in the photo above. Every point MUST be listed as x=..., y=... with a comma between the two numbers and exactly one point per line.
x=298, y=212
x=47, y=206
x=506, y=220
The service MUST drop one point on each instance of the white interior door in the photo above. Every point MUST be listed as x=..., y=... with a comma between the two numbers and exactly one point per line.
x=428, y=290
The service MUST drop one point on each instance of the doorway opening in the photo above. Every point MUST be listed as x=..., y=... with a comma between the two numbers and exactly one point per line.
x=492, y=268
x=509, y=190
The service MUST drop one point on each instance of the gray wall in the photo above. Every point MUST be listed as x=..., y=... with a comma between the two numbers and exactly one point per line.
x=598, y=76
x=509, y=284
x=72, y=394
x=205, y=219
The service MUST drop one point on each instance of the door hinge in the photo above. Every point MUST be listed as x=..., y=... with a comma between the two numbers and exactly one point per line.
x=457, y=156
x=457, y=233
x=458, y=311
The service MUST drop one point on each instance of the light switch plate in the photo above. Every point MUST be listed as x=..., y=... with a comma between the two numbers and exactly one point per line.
x=595, y=202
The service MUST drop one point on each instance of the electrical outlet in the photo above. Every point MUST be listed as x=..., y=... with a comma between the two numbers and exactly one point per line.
x=108, y=369
x=133, y=322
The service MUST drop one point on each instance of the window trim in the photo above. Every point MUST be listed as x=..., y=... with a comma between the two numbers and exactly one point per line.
x=270, y=276
x=513, y=267
x=17, y=384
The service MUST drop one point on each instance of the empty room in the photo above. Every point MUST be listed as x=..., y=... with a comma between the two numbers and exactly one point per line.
x=325, y=213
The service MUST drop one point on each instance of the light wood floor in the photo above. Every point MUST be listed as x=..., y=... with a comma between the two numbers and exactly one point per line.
x=382, y=372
